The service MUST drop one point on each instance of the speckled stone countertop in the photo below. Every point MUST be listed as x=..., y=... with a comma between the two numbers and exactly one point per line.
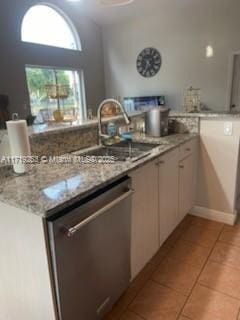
x=205, y=115
x=45, y=129
x=49, y=188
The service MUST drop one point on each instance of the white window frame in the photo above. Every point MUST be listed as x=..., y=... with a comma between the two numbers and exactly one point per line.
x=83, y=105
x=65, y=17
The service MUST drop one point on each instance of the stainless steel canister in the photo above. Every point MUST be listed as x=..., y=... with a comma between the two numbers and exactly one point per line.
x=156, y=122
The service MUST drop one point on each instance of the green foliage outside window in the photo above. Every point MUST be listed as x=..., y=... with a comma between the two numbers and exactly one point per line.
x=38, y=78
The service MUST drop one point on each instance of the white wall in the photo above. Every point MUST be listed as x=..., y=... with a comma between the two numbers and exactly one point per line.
x=181, y=35
x=14, y=54
x=218, y=166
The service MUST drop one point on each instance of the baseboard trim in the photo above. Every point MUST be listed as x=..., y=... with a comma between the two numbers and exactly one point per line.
x=219, y=216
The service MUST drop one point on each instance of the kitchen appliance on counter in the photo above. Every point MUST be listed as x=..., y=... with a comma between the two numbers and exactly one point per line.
x=141, y=104
x=90, y=250
x=156, y=122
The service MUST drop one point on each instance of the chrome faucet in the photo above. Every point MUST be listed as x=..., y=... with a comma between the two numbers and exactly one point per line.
x=101, y=135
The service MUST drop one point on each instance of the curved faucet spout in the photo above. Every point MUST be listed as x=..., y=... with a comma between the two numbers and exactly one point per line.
x=124, y=113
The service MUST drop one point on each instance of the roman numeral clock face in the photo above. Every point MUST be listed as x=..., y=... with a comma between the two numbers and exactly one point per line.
x=149, y=62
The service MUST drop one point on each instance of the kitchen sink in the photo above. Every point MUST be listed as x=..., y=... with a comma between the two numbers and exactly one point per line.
x=123, y=151
x=141, y=146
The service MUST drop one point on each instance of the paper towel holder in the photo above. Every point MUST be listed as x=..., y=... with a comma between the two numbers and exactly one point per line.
x=19, y=143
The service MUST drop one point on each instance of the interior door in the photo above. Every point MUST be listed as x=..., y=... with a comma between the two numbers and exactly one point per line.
x=235, y=93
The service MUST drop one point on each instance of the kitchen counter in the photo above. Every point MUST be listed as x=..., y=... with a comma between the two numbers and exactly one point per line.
x=205, y=115
x=49, y=188
x=45, y=129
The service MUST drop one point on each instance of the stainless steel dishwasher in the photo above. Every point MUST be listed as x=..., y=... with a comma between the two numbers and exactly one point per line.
x=90, y=250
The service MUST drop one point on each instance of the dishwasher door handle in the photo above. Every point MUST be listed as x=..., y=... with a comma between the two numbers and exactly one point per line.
x=71, y=231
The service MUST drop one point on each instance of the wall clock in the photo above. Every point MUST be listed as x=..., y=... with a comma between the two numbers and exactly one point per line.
x=149, y=62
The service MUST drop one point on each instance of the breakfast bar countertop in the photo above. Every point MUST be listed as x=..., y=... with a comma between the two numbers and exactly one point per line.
x=206, y=115
x=49, y=188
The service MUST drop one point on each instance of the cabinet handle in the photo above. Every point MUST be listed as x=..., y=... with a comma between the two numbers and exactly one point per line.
x=188, y=149
x=181, y=166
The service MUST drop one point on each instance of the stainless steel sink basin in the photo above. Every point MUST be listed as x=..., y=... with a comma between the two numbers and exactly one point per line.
x=135, y=145
x=123, y=151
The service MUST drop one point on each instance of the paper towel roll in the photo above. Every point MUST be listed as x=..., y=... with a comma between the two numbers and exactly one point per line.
x=19, y=143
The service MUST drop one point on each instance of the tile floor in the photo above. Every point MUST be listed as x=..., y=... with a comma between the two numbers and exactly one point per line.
x=194, y=276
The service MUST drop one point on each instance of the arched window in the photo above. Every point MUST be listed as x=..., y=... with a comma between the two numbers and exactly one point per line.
x=45, y=25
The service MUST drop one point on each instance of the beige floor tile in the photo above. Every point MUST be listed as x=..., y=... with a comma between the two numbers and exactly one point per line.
x=186, y=222
x=130, y=316
x=207, y=304
x=138, y=283
x=121, y=306
x=134, y=288
x=156, y=302
x=177, y=233
x=161, y=254
x=171, y=241
x=207, y=223
x=226, y=254
x=231, y=235
x=189, y=217
x=201, y=235
x=187, y=252
x=176, y=275
x=221, y=278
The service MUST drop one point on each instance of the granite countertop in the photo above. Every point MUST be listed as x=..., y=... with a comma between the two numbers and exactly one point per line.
x=49, y=188
x=205, y=115
x=45, y=129
x=55, y=128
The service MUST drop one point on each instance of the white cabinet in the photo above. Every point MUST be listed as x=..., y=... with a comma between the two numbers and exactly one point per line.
x=185, y=187
x=168, y=194
x=145, y=233
x=177, y=184
x=187, y=179
x=164, y=194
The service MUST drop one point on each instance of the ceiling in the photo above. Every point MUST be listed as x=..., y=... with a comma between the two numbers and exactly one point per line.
x=140, y=8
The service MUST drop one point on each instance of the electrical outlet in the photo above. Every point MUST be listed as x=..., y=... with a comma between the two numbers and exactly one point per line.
x=228, y=128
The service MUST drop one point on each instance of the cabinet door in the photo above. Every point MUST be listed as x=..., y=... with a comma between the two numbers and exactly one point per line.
x=186, y=186
x=168, y=194
x=145, y=233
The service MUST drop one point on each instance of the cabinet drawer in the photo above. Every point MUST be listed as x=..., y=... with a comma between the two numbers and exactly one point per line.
x=186, y=149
